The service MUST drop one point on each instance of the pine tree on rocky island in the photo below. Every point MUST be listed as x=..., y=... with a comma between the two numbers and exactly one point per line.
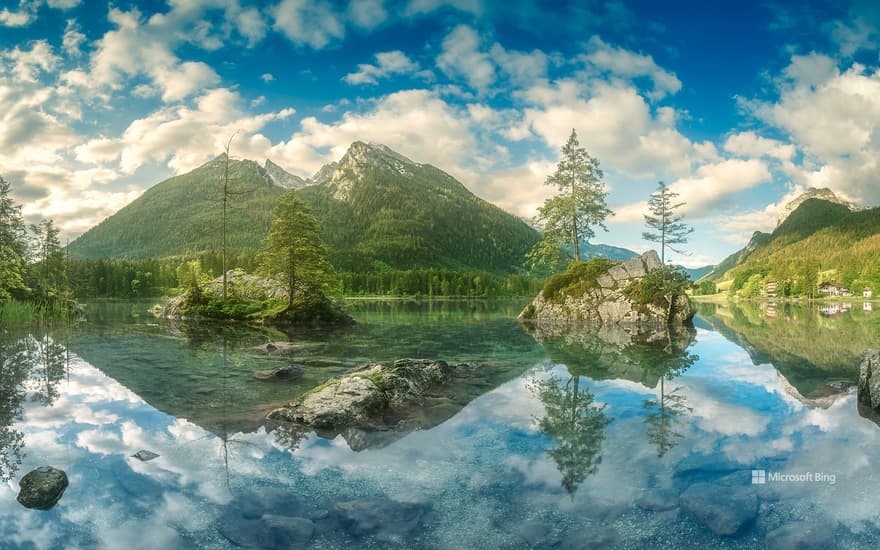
x=570, y=217
x=664, y=225
x=293, y=252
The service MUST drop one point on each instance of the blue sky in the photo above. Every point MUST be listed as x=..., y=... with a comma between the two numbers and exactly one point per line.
x=739, y=106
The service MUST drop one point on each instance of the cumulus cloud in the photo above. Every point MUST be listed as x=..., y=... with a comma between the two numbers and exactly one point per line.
x=463, y=57
x=308, y=22
x=424, y=7
x=614, y=123
x=831, y=116
x=367, y=14
x=387, y=64
x=605, y=58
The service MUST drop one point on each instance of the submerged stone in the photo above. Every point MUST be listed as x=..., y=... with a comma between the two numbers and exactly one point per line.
x=288, y=372
x=367, y=392
x=144, y=455
x=381, y=517
x=41, y=489
x=801, y=535
x=725, y=510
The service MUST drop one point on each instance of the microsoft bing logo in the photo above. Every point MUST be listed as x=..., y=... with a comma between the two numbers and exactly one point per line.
x=759, y=477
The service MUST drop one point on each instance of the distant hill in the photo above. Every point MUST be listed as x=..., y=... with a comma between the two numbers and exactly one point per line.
x=590, y=251
x=378, y=210
x=823, y=236
x=696, y=273
x=823, y=208
x=182, y=215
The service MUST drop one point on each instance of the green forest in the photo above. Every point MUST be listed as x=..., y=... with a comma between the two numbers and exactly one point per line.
x=819, y=242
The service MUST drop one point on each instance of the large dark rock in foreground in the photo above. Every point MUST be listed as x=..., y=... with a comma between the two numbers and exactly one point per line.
x=869, y=379
x=41, y=489
x=600, y=292
x=368, y=392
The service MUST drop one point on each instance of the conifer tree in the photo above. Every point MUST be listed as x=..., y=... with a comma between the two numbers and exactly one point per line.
x=664, y=225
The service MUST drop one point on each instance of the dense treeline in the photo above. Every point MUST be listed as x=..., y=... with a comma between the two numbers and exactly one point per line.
x=146, y=278
x=436, y=282
x=153, y=278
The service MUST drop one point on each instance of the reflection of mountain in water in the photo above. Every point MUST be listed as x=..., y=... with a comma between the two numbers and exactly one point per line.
x=810, y=350
x=204, y=372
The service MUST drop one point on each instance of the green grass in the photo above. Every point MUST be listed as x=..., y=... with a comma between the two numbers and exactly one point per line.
x=577, y=279
x=17, y=313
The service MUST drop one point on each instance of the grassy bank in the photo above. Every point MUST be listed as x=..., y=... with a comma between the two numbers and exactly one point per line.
x=17, y=313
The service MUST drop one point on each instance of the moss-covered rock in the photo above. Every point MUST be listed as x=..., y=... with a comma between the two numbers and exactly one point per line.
x=605, y=292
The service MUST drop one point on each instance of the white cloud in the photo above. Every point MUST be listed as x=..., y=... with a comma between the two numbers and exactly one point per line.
x=267, y=77
x=462, y=57
x=367, y=14
x=308, y=22
x=618, y=61
x=135, y=48
x=387, y=64
x=750, y=144
x=250, y=24
x=72, y=39
x=615, y=124
x=832, y=116
x=20, y=18
x=28, y=65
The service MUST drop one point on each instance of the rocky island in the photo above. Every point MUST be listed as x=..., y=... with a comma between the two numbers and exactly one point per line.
x=256, y=298
x=638, y=291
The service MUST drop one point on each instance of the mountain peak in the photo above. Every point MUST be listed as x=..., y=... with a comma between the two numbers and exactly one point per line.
x=822, y=193
x=360, y=158
x=283, y=178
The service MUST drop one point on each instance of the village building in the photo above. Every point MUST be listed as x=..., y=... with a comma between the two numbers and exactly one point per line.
x=867, y=292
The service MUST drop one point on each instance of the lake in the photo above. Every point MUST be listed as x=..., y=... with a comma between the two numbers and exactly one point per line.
x=741, y=432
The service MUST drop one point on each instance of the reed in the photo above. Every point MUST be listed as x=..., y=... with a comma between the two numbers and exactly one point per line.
x=18, y=313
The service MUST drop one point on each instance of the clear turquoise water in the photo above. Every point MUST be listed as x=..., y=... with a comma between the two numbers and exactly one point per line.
x=570, y=438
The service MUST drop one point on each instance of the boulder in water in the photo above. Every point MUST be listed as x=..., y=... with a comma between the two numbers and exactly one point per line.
x=41, y=489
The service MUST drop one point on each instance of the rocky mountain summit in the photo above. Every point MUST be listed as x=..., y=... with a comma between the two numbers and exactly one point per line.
x=823, y=193
x=606, y=293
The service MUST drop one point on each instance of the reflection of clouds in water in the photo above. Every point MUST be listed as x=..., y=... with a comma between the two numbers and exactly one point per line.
x=740, y=412
x=90, y=431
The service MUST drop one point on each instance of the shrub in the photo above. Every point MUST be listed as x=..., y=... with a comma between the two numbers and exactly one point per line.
x=577, y=279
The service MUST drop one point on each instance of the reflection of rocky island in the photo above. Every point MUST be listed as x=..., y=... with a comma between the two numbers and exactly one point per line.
x=817, y=355
x=637, y=291
x=648, y=356
x=204, y=372
x=612, y=352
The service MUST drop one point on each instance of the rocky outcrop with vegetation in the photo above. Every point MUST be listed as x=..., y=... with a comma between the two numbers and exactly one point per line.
x=601, y=291
x=255, y=298
x=368, y=392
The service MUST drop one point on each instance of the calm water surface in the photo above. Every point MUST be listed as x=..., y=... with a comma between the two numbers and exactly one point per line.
x=567, y=439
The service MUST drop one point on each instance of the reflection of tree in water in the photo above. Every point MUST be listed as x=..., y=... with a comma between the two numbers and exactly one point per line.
x=668, y=358
x=649, y=356
x=576, y=425
x=14, y=371
x=49, y=361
